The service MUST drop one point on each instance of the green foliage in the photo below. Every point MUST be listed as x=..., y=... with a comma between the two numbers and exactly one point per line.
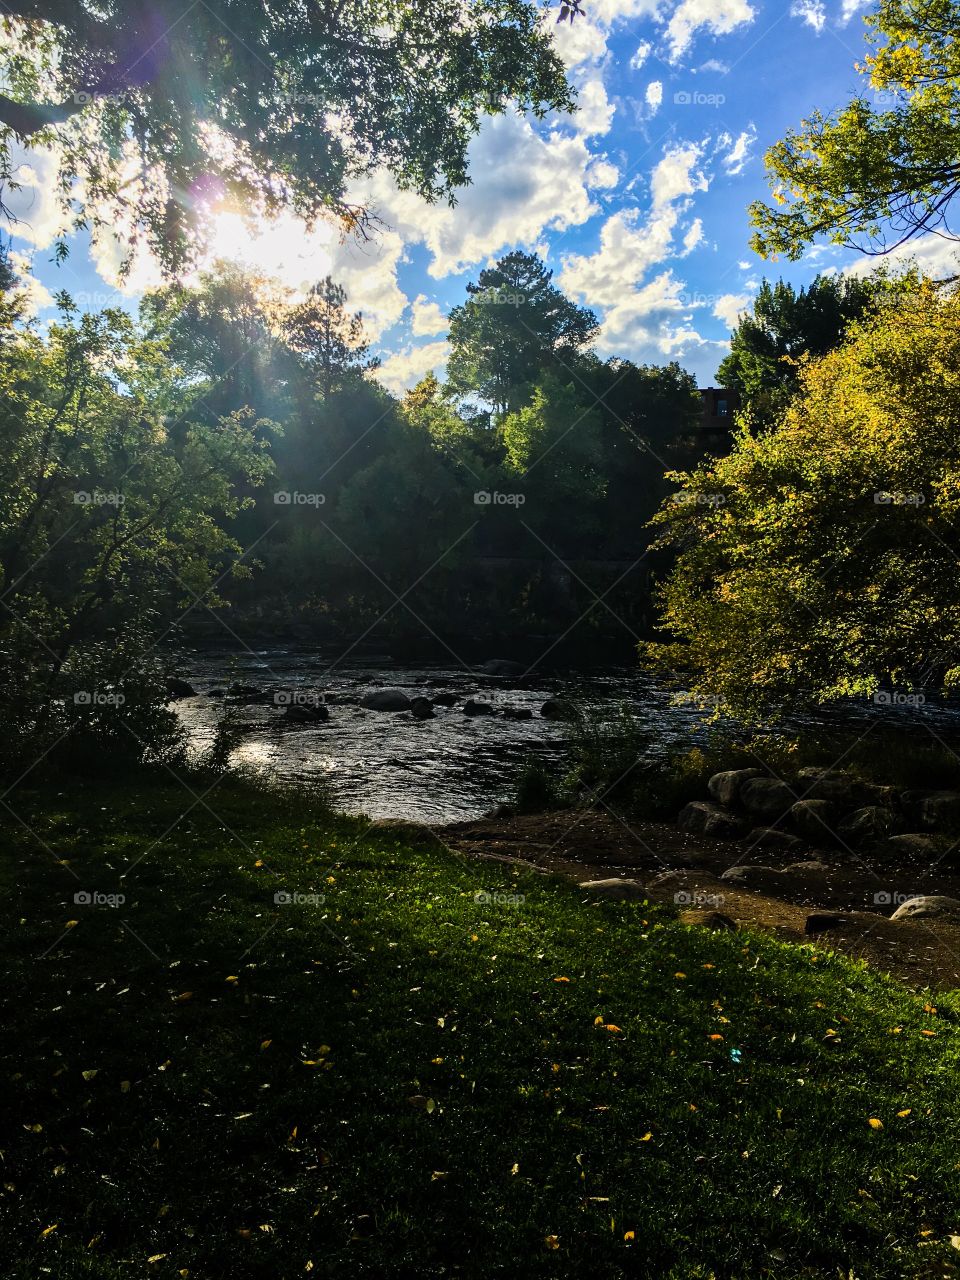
x=112, y=527
x=875, y=174
x=330, y=343
x=819, y=559
x=781, y=328
x=267, y=107
x=515, y=327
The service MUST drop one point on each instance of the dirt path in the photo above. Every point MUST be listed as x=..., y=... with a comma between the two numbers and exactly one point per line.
x=596, y=844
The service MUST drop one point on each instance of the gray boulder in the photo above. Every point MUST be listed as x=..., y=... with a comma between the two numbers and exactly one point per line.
x=306, y=713
x=767, y=797
x=385, y=700
x=422, y=709
x=824, y=784
x=941, y=811
x=762, y=879
x=445, y=700
x=773, y=838
x=703, y=818
x=911, y=845
x=813, y=819
x=725, y=787
x=517, y=713
x=870, y=823
x=928, y=907
x=554, y=709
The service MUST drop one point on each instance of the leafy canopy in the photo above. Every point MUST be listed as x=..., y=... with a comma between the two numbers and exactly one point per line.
x=876, y=173
x=819, y=559
x=159, y=109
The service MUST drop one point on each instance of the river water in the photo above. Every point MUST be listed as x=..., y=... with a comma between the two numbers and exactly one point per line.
x=453, y=767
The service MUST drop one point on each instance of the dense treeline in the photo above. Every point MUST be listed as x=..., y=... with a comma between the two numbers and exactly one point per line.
x=227, y=461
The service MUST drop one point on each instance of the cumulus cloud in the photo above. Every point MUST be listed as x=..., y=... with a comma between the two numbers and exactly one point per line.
x=595, y=111
x=37, y=295
x=729, y=308
x=719, y=17
x=34, y=208
x=810, y=11
x=932, y=254
x=654, y=95
x=406, y=367
x=427, y=318
x=647, y=320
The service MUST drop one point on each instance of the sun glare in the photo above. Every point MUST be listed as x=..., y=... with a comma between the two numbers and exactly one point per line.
x=280, y=247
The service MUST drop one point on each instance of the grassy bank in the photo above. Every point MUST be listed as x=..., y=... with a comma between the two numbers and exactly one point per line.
x=399, y=1079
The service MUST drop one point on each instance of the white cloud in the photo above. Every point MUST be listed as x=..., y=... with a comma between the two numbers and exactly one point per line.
x=602, y=175
x=720, y=17
x=655, y=95
x=35, y=209
x=931, y=253
x=850, y=7
x=644, y=49
x=738, y=157
x=693, y=237
x=645, y=320
x=729, y=307
x=523, y=184
x=427, y=318
x=714, y=65
x=37, y=295
x=405, y=368
x=595, y=111
x=810, y=11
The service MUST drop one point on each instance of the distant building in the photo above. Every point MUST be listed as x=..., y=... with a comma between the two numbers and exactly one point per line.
x=719, y=406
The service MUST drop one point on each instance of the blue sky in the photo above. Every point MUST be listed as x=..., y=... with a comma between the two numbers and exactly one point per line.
x=638, y=202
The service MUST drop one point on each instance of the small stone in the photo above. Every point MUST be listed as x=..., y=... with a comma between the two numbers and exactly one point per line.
x=385, y=700
x=868, y=823
x=474, y=707
x=718, y=921
x=773, y=838
x=422, y=709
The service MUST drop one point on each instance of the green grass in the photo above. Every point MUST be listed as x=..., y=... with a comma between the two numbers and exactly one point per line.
x=263, y=1126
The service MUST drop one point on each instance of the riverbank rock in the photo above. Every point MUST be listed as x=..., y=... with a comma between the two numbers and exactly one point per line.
x=704, y=818
x=774, y=838
x=928, y=907
x=826, y=784
x=444, y=700
x=870, y=823
x=767, y=797
x=724, y=787
x=385, y=700
x=517, y=713
x=306, y=713
x=422, y=709
x=616, y=890
x=813, y=819
x=475, y=707
x=824, y=922
x=177, y=688
x=912, y=845
x=760, y=879
x=941, y=811
x=554, y=709
x=501, y=667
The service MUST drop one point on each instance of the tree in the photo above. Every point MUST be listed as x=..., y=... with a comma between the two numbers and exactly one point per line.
x=819, y=560
x=329, y=343
x=269, y=106
x=782, y=326
x=874, y=175
x=108, y=532
x=515, y=326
